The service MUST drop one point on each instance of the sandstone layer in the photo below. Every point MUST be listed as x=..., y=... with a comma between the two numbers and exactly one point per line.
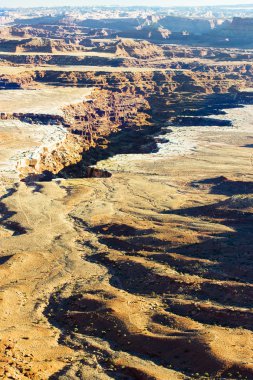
x=126, y=199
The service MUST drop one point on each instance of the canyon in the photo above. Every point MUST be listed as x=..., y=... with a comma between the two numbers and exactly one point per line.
x=126, y=194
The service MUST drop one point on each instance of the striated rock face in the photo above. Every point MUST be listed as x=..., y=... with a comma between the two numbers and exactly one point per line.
x=112, y=23
x=138, y=49
x=119, y=101
x=52, y=158
x=118, y=52
x=191, y=25
x=206, y=53
x=86, y=123
x=203, y=79
x=122, y=99
x=37, y=44
x=49, y=59
x=105, y=112
x=242, y=24
x=23, y=80
x=142, y=269
x=238, y=33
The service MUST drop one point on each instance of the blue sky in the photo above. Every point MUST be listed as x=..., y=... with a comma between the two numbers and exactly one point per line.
x=28, y=3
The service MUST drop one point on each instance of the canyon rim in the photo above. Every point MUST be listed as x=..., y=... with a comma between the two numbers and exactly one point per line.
x=126, y=192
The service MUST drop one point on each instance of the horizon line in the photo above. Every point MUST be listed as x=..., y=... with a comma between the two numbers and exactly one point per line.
x=127, y=6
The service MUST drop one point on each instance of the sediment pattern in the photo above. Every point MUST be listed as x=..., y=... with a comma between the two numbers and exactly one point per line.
x=119, y=260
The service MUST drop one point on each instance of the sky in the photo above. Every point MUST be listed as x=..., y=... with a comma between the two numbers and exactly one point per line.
x=38, y=3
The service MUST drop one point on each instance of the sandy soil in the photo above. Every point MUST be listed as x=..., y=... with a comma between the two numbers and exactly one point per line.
x=23, y=68
x=146, y=274
x=46, y=100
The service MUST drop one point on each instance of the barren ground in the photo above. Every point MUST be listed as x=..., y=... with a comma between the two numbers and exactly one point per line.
x=144, y=273
x=146, y=262
x=45, y=100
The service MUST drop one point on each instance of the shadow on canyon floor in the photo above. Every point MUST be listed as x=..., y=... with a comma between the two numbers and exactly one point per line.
x=136, y=140
x=223, y=186
x=141, y=265
x=5, y=217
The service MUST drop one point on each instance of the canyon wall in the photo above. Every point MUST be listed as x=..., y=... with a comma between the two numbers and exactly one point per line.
x=119, y=101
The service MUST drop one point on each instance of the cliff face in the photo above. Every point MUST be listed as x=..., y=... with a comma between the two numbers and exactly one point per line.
x=23, y=80
x=204, y=78
x=242, y=24
x=120, y=100
x=117, y=52
x=49, y=59
x=105, y=112
x=37, y=44
x=138, y=49
x=191, y=25
x=86, y=124
x=52, y=158
x=143, y=272
x=239, y=32
x=201, y=79
x=206, y=53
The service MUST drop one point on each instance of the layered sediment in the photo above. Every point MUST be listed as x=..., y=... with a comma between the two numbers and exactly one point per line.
x=126, y=247
x=119, y=100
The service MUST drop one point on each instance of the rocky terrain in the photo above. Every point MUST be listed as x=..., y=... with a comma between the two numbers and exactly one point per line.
x=126, y=195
